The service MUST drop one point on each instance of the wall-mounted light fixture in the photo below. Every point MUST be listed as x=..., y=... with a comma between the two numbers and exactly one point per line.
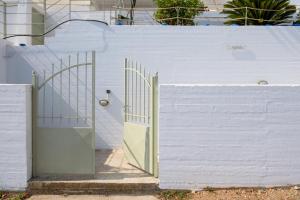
x=105, y=102
x=262, y=82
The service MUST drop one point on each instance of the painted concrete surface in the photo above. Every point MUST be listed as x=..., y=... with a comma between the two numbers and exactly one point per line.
x=112, y=167
x=113, y=175
x=15, y=136
x=190, y=55
x=229, y=136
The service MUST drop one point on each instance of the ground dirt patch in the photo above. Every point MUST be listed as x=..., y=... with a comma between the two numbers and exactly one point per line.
x=234, y=194
x=14, y=195
x=207, y=194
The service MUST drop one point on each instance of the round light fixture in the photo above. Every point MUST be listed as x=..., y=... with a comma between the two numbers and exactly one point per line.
x=103, y=102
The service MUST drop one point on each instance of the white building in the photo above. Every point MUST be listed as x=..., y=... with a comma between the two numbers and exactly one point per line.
x=216, y=124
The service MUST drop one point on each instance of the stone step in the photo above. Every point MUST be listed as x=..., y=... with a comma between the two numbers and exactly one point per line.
x=89, y=187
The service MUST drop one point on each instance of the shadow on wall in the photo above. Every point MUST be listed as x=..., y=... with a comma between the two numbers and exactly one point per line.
x=116, y=109
x=19, y=71
x=288, y=40
x=244, y=55
x=57, y=102
x=23, y=60
x=241, y=53
x=107, y=118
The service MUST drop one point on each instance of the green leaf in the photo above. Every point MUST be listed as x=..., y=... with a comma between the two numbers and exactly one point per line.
x=259, y=12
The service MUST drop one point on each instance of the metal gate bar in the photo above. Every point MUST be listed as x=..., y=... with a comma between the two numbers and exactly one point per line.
x=43, y=87
x=81, y=128
x=141, y=104
x=138, y=94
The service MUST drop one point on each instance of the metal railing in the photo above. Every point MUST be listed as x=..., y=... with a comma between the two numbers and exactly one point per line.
x=53, y=14
x=60, y=10
x=63, y=92
x=203, y=16
x=138, y=87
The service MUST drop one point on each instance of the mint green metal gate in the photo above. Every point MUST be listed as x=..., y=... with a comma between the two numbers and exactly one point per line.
x=64, y=118
x=141, y=118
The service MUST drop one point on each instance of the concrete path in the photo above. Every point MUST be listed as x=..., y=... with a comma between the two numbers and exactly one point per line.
x=93, y=197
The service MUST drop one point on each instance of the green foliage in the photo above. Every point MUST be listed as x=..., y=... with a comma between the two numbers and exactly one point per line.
x=174, y=195
x=259, y=12
x=178, y=12
x=14, y=196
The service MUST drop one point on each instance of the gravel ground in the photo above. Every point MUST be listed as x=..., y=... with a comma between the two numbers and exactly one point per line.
x=248, y=194
x=236, y=194
x=208, y=194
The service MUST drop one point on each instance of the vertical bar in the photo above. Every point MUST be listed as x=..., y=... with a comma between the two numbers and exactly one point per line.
x=77, y=89
x=34, y=121
x=177, y=15
x=116, y=17
x=132, y=76
x=149, y=97
x=136, y=92
x=4, y=19
x=60, y=91
x=154, y=122
x=44, y=97
x=85, y=92
x=151, y=138
x=128, y=89
x=103, y=5
x=125, y=91
x=93, y=105
x=144, y=114
x=52, y=94
x=109, y=16
x=45, y=15
x=70, y=9
x=140, y=94
x=69, y=92
x=131, y=14
x=195, y=24
x=93, y=88
x=246, y=16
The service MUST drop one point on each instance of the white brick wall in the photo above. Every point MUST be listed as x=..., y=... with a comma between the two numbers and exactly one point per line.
x=15, y=136
x=224, y=136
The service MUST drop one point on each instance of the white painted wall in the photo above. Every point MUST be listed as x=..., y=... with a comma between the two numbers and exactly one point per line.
x=226, y=136
x=15, y=136
x=191, y=55
x=20, y=23
x=12, y=19
x=3, y=74
x=25, y=21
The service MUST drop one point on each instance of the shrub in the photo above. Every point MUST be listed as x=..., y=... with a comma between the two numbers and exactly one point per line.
x=178, y=12
x=259, y=12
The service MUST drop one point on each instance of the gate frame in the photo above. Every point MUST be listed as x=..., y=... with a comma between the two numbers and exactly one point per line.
x=152, y=83
x=35, y=100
